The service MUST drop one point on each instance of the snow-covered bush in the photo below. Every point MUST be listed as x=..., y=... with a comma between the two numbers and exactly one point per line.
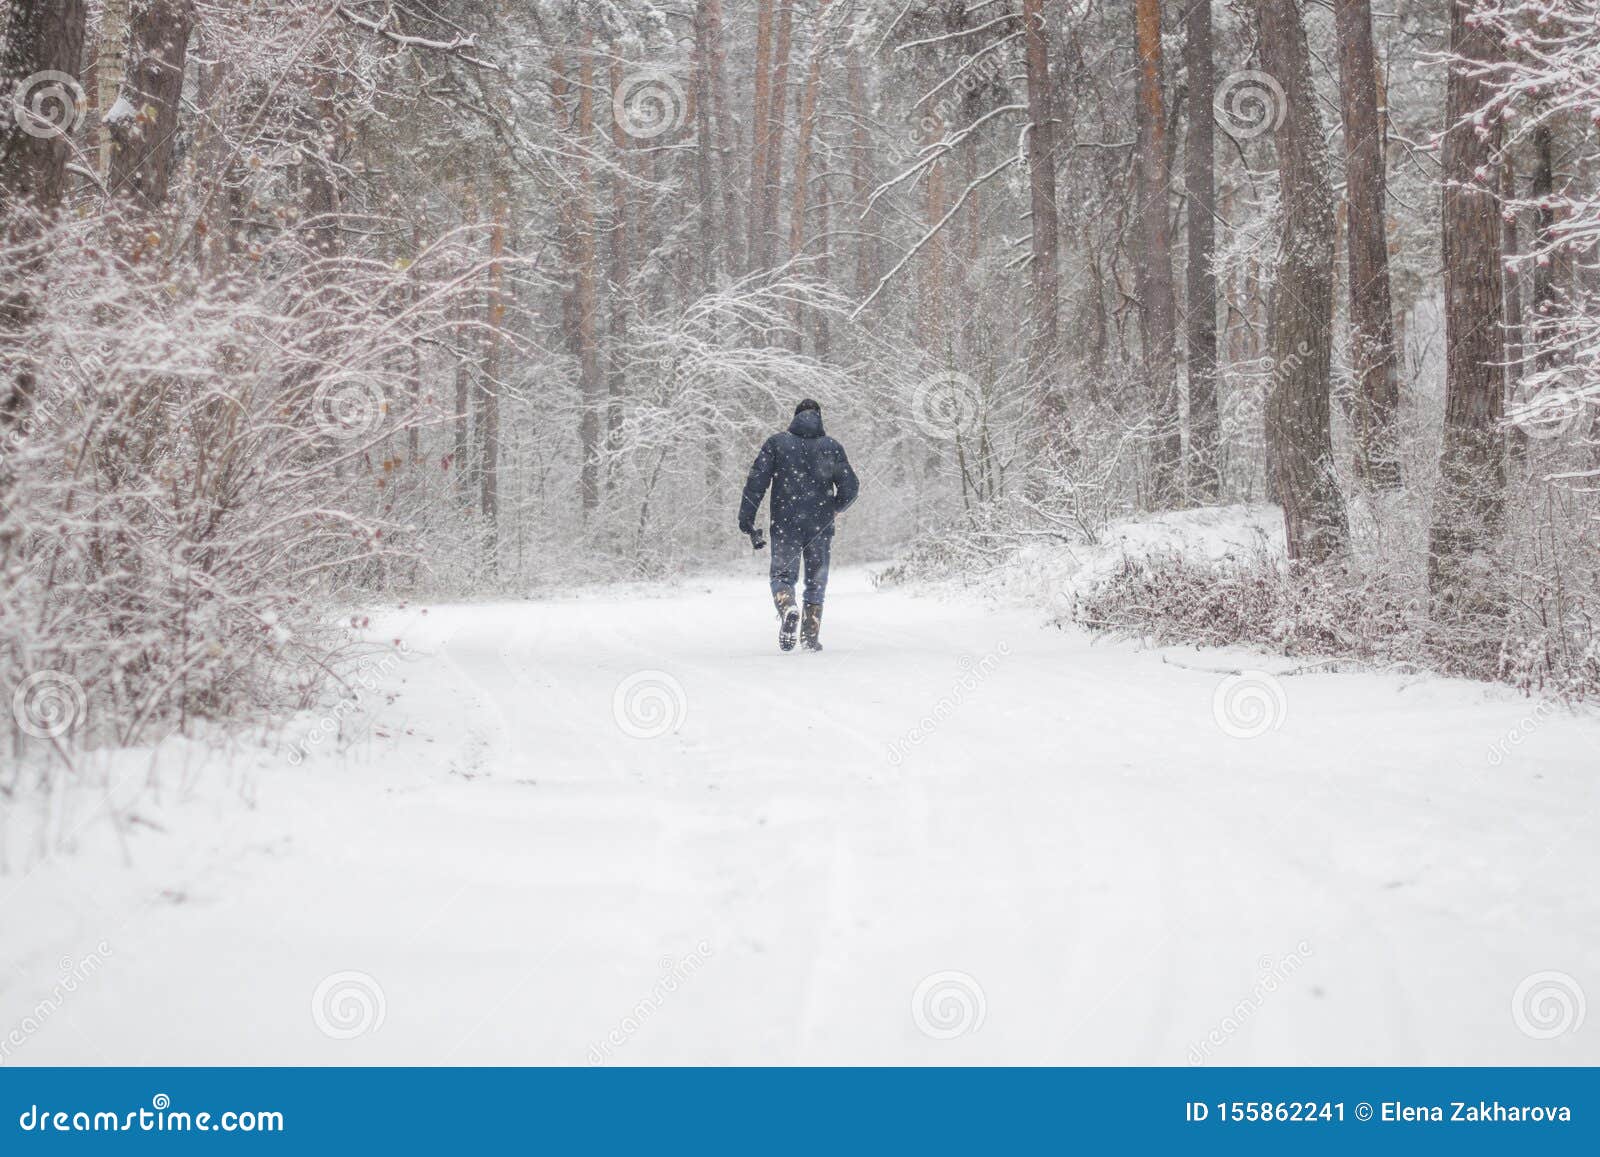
x=1368, y=615
x=204, y=468
x=1322, y=612
x=1095, y=480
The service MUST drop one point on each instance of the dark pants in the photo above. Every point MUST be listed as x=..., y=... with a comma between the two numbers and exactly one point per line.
x=789, y=549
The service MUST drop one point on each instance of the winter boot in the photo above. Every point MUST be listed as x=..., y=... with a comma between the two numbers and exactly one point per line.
x=788, y=617
x=811, y=626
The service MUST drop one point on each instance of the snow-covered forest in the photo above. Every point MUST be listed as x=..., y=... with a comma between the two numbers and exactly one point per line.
x=1270, y=327
x=311, y=304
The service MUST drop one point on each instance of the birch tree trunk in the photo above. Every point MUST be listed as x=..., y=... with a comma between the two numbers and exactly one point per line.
x=109, y=73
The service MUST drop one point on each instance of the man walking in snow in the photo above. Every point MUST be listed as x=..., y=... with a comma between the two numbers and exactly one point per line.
x=811, y=482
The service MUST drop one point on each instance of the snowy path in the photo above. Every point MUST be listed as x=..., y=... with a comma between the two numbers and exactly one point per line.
x=1115, y=875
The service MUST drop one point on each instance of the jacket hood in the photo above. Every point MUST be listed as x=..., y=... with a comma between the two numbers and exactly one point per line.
x=806, y=424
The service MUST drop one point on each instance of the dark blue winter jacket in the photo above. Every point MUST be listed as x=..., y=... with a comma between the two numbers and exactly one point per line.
x=810, y=477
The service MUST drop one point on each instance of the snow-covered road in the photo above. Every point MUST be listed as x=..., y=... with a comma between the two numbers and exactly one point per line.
x=623, y=827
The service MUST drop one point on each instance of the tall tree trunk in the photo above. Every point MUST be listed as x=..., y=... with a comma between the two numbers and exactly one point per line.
x=144, y=144
x=467, y=343
x=1044, y=311
x=1542, y=190
x=1205, y=479
x=489, y=473
x=461, y=419
x=318, y=123
x=616, y=377
x=757, y=213
x=930, y=279
x=974, y=223
x=414, y=416
x=590, y=380
x=40, y=36
x=1469, y=505
x=821, y=334
x=1371, y=308
x=1511, y=247
x=727, y=144
x=1156, y=292
x=705, y=146
x=109, y=72
x=1299, y=441
x=772, y=183
x=802, y=152
x=218, y=232
x=717, y=219
x=861, y=174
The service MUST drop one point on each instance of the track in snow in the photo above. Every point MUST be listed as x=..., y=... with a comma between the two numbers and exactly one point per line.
x=1074, y=864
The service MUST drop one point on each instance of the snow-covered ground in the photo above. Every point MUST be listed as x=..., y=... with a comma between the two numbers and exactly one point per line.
x=622, y=827
x=1049, y=573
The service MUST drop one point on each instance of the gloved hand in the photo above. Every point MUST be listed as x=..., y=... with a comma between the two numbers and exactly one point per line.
x=758, y=538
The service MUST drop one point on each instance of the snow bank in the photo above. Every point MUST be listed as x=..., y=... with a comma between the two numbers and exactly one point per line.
x=1051, y=575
